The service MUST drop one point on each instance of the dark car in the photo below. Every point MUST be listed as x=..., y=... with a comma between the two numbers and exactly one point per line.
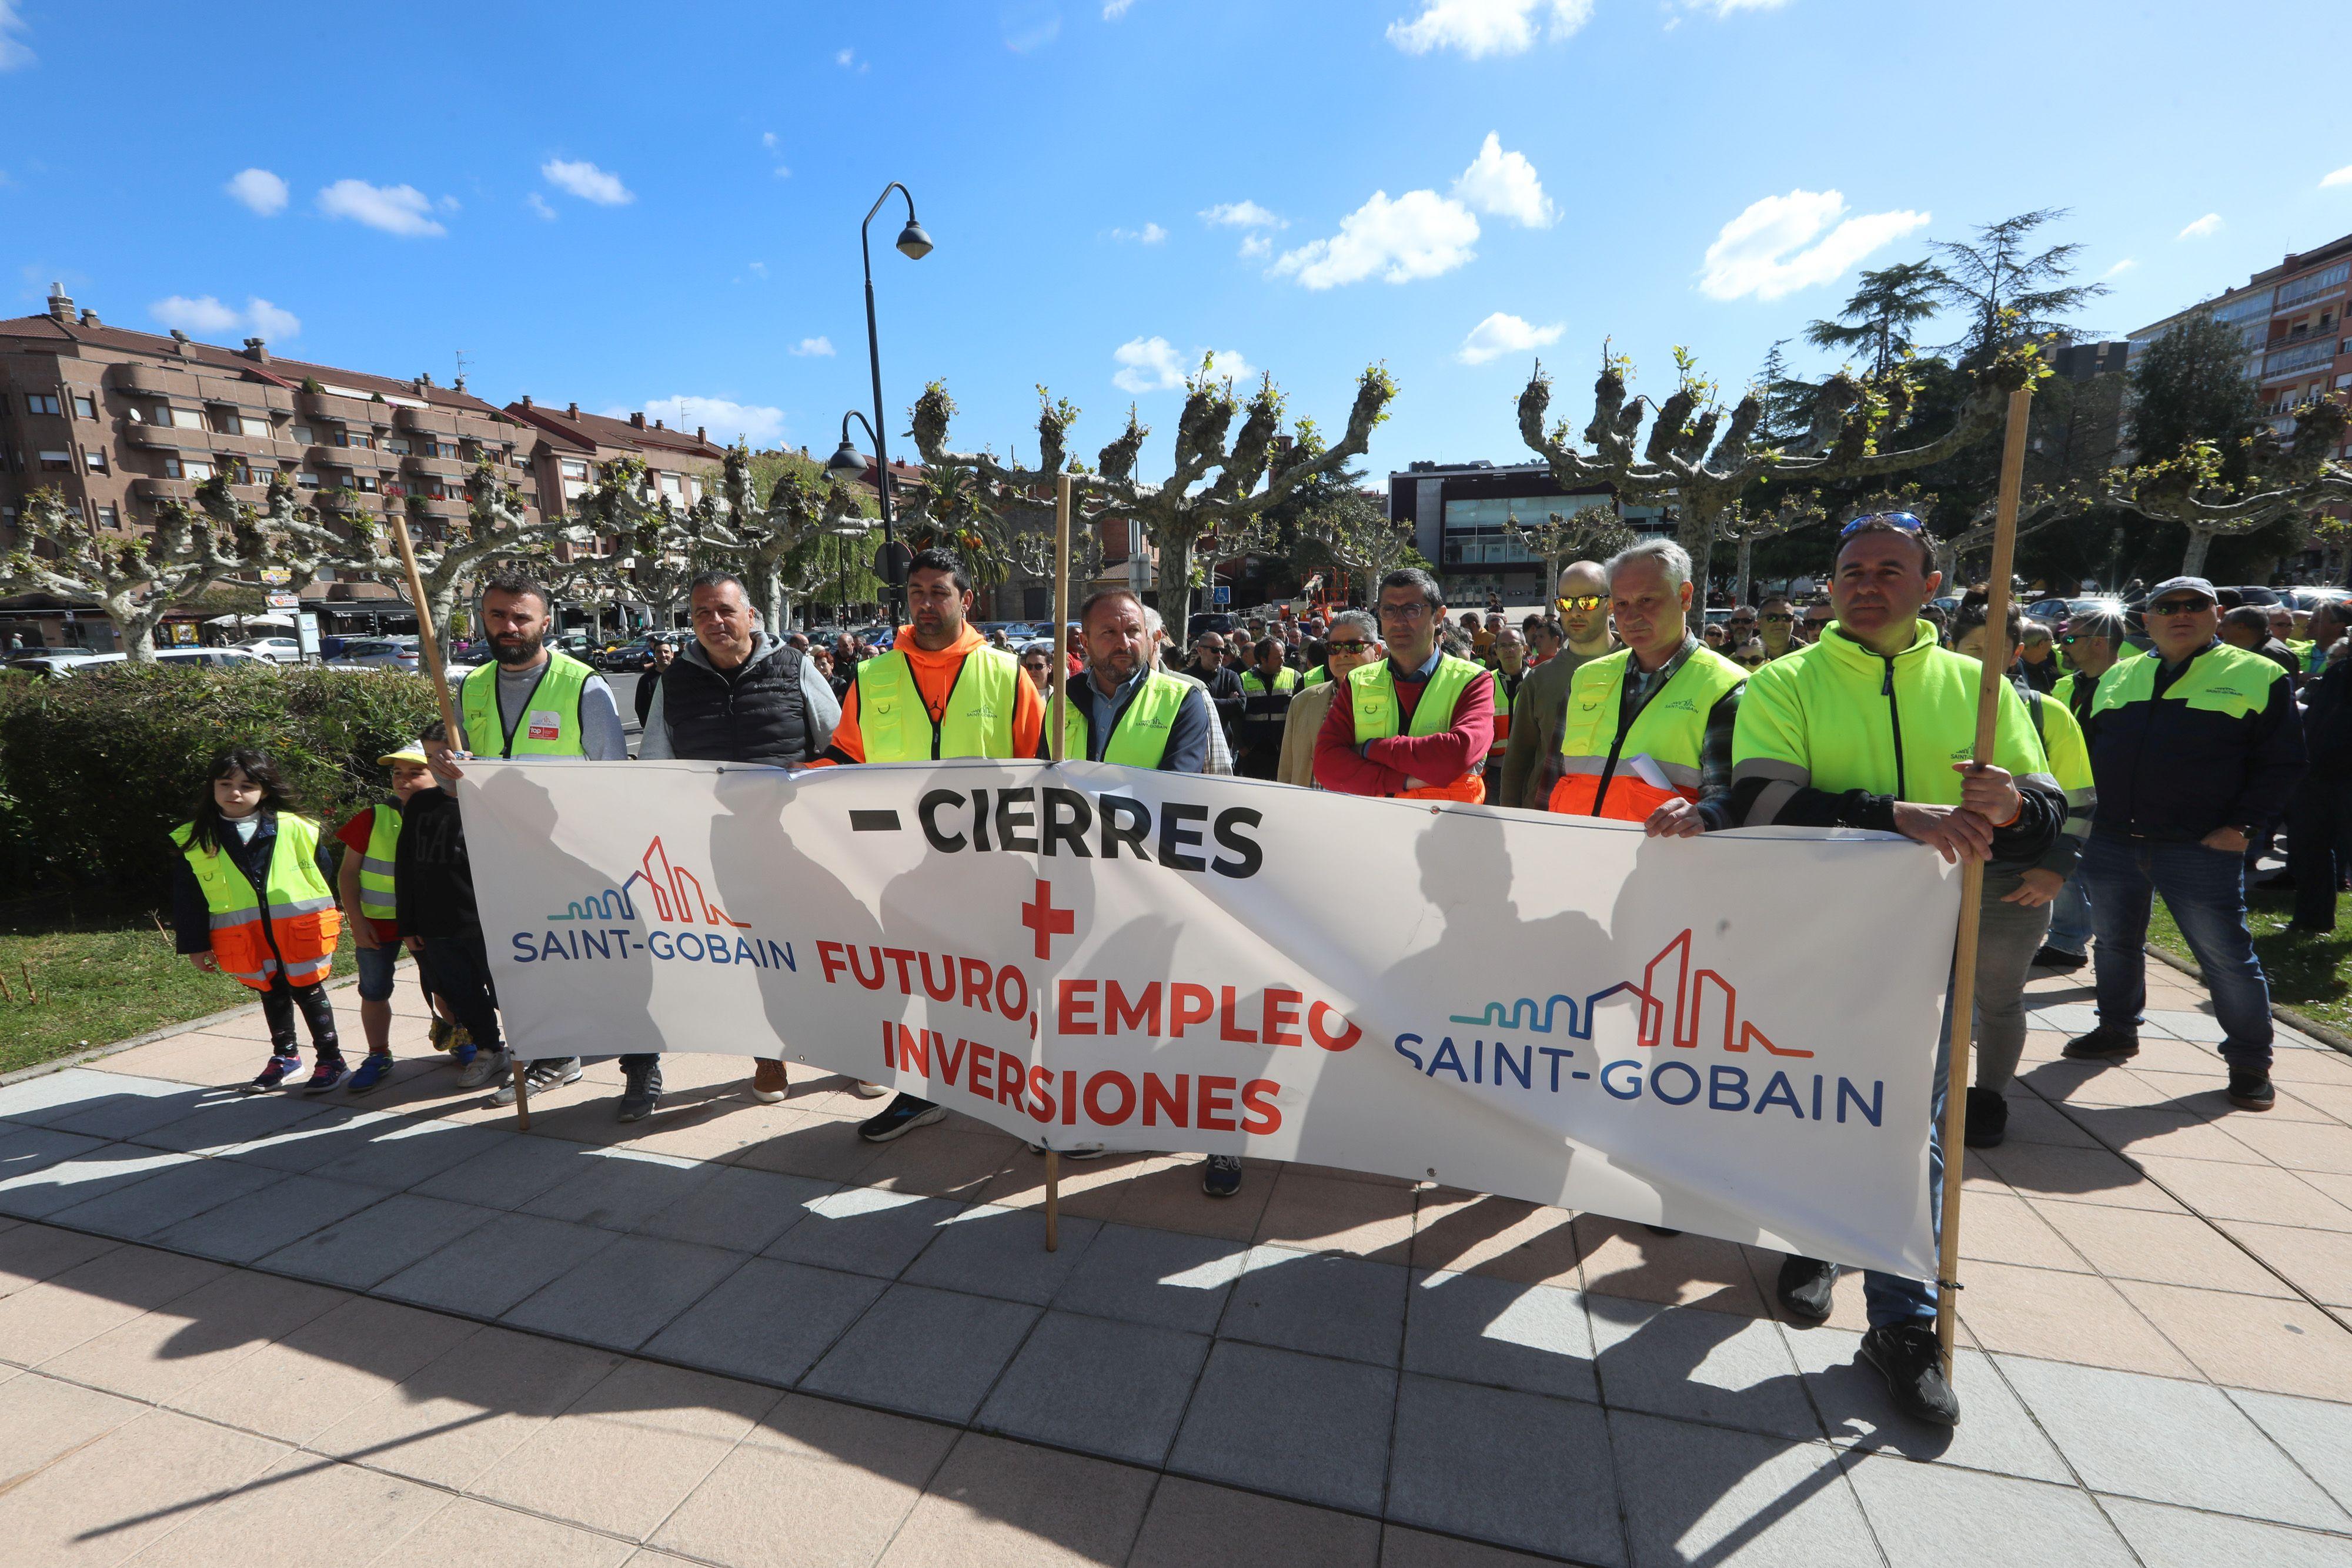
x=1216, y=620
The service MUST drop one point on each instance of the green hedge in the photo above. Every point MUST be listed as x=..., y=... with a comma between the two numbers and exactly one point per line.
x=96, y=768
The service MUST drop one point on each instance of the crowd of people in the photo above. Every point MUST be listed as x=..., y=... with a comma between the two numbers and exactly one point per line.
x=2125, y=765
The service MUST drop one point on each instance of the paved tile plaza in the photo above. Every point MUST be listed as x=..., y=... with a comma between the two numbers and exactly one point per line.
x=276, y=1330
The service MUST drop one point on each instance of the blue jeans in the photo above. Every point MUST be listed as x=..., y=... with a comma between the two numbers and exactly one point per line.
x=2206, y=892
x=1893, y=1299
x=2070, y=917
x=375, y=970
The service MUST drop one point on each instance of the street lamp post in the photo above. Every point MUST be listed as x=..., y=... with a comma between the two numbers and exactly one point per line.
x=914, y=245
x=845, y=462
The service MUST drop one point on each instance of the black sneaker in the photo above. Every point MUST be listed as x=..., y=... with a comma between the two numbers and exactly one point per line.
x=2251, y=1091
x=2062, y=962
x=547, y=1073
x=2102, y=1044
x=898, y=1118
x=640, y=1091
x=1805, y=1287
x=1988, y=1119
x=1908, y=1357
x=324, y=1075
x=1221, y=1177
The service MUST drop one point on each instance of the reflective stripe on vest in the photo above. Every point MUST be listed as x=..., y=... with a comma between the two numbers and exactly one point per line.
x=1285, y=680
x=1602, y=759
x=551, y=714
x=1373, y=694
x=897, y=727
x=375, y=863
x=1138, y=736
x=294, y=931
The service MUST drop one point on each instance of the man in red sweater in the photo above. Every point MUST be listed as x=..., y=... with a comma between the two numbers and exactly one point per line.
x=1418, y=723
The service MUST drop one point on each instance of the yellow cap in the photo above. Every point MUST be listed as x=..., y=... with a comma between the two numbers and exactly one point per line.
x=411, y=752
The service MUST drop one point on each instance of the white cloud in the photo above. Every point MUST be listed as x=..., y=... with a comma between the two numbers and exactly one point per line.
x=1501, y=334
x=1114, y=9
x=1152, y=365
x=206, y=316
x=1504, y=184
x=775, y=144
x=539, y=204
x=1482, y=27
x=2205, y=228
x=1030, y=27
x=724, y=418
x=1782, y=244
x=259, y=189
x=814, y=347
x=2341, y=177
x=758, y=268
x=587, y=182
x=2125, y=265
x=13, y=52
x=1149, y=234
x=395, y=209
x=1242, y=215
x=1722, y=8
x=1226, y=365
x=845, y=59
x=1419, y=235
x=1256, y=246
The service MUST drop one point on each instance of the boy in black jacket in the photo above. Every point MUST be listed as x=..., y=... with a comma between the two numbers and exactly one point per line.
x=432, y=888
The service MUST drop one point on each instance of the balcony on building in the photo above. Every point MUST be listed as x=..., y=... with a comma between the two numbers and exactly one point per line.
x=148, y=487
x=153, y=381
x=427, y=421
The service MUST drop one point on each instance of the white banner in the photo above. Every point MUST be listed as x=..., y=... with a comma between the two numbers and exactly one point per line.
x=1733, y=1035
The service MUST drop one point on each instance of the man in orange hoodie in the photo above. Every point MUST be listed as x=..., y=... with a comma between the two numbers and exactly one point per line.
x=940, y=692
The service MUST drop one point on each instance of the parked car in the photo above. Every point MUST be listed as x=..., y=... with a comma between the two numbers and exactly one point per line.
x=65, y=654
x=377, y=654
x=60, y=665
x=277, y=650
x=1217, y=620
x=214, y=658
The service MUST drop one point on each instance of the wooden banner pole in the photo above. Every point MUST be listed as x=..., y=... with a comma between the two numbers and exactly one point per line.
x=1964, y=960
x=1054, y=729
x=428, y=644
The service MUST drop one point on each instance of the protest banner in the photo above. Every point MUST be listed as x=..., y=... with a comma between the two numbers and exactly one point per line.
x=1684, y=1033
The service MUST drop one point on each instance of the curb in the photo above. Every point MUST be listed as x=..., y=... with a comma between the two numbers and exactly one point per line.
x=82, y=1058
x=2334, y=1040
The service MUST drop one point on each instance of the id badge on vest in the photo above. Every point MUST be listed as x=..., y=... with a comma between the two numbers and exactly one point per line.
x=542, y=724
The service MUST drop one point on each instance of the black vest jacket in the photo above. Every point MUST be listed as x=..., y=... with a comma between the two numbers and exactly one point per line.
x=761, y=716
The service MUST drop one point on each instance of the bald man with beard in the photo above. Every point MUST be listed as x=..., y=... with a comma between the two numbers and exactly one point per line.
x=1542, y=702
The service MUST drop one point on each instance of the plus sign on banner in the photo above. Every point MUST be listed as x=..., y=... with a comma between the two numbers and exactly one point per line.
x=1549, y=1007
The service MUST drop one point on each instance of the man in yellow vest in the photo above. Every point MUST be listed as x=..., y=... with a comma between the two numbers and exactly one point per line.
x=1417, y=724
x=533, y=701
x=1508, y=660
x=1354, y=641
x=1128, y=711
x=1859, y=730
x=1267, y=686
x=940, y=692
x=1647, y=736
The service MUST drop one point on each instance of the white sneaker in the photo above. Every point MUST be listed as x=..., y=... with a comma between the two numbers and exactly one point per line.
x=869, y=1091
x=488, y=1067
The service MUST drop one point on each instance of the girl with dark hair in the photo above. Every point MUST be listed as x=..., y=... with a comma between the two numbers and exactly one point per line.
x=250, y=899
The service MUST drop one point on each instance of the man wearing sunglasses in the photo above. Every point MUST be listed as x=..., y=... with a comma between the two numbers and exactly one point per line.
x=1741, y=627
x=2197, y=749
x=1815, y=621
x=1776, y=619
x=1859, y=731
x=1355, y=642
x=1542, y=700
x=1416, y=725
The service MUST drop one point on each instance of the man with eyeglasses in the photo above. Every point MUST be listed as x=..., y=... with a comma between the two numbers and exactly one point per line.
x=1815, y=621
x=1508, y=664
x=1225, y=684
x=1268, y=687
x=1741, y=626
x=1776, y=620
x=1418, y=723
x=1354, y=642
x=1542, y=700
x=1859, y=731
x=1647, y=736
x=2196, y=750
x=1750, y=655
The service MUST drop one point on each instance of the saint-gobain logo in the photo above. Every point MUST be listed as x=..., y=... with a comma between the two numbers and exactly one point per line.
x=675, y=894
x=604, y=924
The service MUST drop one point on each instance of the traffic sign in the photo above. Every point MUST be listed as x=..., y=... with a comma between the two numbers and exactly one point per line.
x=1221, y=594
x=285, y=601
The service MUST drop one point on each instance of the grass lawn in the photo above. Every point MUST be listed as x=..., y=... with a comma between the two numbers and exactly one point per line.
x=99, y=977
x=2310, y=973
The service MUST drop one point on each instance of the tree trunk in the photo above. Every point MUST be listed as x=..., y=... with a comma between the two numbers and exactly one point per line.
x=1697, y=536
x=134, y=627
x=2200, y=542
x=1740, y=583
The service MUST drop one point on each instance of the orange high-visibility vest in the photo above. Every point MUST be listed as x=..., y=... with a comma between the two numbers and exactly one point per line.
x=1601, y=756
x=293, y=933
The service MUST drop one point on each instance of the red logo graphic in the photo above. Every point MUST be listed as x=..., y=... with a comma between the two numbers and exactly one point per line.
x=676, y=893
x=1689, y=994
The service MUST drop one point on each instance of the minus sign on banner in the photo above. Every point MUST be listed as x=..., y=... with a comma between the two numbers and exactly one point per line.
x=873, y=821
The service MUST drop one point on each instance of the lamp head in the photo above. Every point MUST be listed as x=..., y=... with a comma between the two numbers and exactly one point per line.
x=846, y=460
x=913, y=243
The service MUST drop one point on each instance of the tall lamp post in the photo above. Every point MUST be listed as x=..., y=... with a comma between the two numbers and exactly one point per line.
x=845, y=463
x=914, y=245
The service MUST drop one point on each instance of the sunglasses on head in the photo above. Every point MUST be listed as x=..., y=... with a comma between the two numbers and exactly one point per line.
x=1907, y=521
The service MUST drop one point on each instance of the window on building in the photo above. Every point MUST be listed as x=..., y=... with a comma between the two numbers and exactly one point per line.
x=40, y=403
x=440, y=449
x=693, y=487
x=396, y=444
x=85, y=407
x=107, y=517
x=302, y=435
x=97, y=461
x=672, y=488
x=171, y=467
x=185, y=418
x=197, y=468
x=249, y=425
x=306, y=481
x=225, y=421
x=57, y=462
x=363, y=482
x=574, y=468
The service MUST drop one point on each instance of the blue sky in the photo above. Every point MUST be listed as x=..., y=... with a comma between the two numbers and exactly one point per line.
x=596, y=204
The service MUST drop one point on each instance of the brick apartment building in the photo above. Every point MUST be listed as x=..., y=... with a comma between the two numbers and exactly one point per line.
x=566, y=447
x=2291, y=320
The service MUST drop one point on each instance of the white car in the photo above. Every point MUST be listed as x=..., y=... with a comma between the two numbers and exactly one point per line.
x=277, y=650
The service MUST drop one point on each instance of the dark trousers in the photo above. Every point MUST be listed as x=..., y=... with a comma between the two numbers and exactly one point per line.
x=2319, y=846
x=279, y=1005
x=458, y=971
x=2205, y=891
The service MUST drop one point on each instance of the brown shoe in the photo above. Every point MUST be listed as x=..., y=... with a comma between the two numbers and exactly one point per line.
x=767, y=1080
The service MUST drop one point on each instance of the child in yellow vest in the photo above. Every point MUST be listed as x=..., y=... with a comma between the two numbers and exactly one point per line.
x=249, y=899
